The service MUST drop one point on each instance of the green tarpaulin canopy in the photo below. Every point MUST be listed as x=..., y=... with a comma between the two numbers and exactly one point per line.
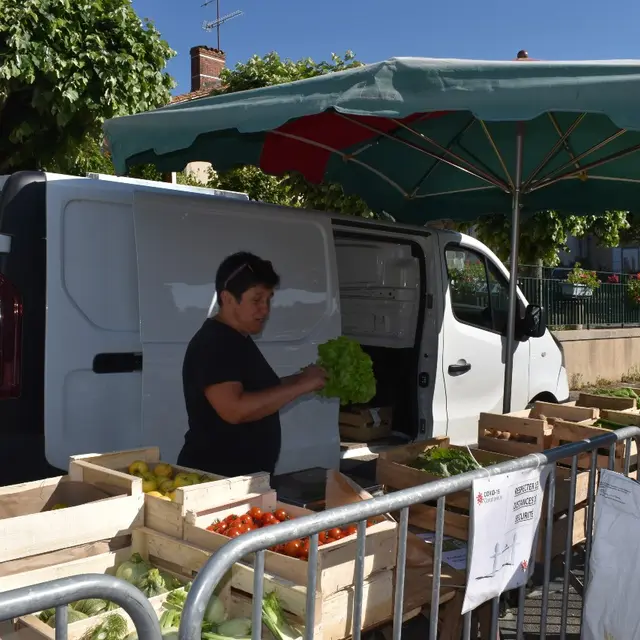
x=420, y=138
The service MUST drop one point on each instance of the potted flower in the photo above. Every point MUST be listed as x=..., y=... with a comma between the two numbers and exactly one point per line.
x=633, y=288
x=580, y=283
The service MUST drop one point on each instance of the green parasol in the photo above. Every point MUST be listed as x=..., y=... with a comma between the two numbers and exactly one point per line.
x=423, y=139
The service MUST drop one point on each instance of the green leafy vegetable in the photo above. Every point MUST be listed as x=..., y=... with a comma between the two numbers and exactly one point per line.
x=623, y=392
x=215, y=613
x=274, y=619
x=93, y=606
x=349, y=371
x=445, y=462
x=152, y=583
x=608, y=424
x=133, y=569
x=113, y=627
x=237, y=628
x=72, y=616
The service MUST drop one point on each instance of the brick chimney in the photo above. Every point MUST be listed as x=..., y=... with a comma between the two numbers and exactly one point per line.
x=206, y=66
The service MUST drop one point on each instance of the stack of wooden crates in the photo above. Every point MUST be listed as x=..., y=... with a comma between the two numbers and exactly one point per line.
x=173, y=536
x=549, y=425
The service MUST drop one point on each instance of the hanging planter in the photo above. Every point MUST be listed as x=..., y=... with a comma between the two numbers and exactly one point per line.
x=571, y=290
x=580, y=283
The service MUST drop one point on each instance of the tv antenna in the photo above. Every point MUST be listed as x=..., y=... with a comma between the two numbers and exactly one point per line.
x=210, y=25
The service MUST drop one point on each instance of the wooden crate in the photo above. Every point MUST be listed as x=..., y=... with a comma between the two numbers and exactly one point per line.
x=365, y=425
x=336, y=563
x=565, y=432
x=97, y=511
x=142, y=541
x=334, y=614
x=607, y=402
x=160, y=514
x=529, y=431
x=392, y=473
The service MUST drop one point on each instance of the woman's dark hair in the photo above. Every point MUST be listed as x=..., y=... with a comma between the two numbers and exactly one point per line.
x=240, y=271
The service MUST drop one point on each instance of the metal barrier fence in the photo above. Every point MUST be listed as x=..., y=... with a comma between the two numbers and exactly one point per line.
x=59, y=593
x=610, y=305
x=310, y=526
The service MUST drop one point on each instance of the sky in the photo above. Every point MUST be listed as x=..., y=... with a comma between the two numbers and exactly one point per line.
x=376, y=30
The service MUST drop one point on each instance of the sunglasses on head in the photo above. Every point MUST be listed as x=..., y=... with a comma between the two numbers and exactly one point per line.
x=236, y=272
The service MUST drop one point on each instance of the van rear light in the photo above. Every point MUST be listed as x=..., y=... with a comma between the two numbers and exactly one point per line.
x=10, y=340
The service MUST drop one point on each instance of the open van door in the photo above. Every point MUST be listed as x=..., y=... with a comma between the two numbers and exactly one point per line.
x=180, y=241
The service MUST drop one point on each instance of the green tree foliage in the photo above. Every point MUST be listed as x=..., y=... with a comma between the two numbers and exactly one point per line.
x=65, y=67
x=545, y=233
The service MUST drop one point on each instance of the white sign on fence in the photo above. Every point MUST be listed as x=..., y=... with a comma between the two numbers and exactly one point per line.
x=611, y=602
x=505, y=516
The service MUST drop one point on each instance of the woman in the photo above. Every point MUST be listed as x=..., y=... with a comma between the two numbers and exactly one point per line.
x=232, y=394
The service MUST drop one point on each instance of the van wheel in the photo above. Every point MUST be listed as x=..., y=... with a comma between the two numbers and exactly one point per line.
x=543, y=397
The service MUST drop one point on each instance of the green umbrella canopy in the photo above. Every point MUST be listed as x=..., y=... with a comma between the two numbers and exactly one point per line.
x=420, y=138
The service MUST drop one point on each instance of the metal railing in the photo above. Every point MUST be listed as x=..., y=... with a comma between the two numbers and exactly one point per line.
x=62, y=592
x=310, y=526
x=610, y=305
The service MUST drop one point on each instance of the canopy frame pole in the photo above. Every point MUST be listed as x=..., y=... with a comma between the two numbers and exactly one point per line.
x=513, y=273
x=558, y=174
x=472, y=170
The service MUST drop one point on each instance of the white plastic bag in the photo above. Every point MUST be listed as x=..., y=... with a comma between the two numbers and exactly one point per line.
x=611, y=609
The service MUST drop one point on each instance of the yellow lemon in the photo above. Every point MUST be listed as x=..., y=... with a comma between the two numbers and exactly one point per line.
x=155, y=494
x=172, y=495
x=138, y=468
x=163, y=470
x=60, y=505
x=205, y=478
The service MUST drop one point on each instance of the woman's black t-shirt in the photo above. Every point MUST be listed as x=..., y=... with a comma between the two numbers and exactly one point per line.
x=217, y=354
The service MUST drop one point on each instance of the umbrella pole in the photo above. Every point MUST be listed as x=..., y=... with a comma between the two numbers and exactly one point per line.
x=513, y=273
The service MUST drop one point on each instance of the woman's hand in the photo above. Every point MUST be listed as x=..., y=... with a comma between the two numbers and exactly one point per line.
x=312, y=378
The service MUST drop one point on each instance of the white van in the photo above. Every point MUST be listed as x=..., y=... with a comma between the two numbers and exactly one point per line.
x=103, y=282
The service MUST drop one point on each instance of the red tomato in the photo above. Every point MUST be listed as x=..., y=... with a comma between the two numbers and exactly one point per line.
x=256, y=513
x=281, y=515
x=230, y=518
x=268, y=518
x=351, y=530
x=292, y=548
x=246, y=520
x=233, y=532
x=370, y=523
x=335, y=533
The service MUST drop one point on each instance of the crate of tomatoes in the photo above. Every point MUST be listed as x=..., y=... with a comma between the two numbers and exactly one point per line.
x=255, y=518
x=286, y=566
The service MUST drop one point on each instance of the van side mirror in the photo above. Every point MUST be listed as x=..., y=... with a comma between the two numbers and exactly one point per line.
x=534, y=324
